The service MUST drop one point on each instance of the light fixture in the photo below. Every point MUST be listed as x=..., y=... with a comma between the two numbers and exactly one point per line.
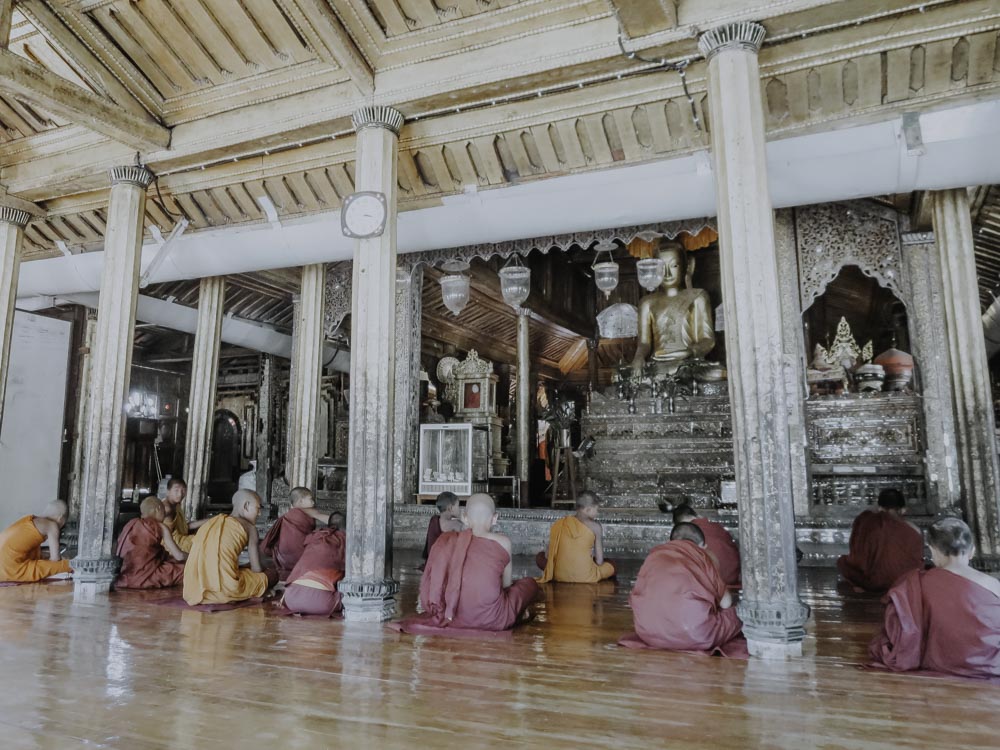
x=605, y=272
x=455, y=285
x=515, y=282
x=650, y=272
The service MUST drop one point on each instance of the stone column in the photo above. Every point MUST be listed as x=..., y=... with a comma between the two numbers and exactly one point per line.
x=524, y=443
x=95, y=564
x=969, y=372
x=12, y=224
x=306, y=379
x=929, y=345
x=773, y=616
x=82, y=411
x=406, y=399
x=201, y=406
x=368, y=587
x=265, y=428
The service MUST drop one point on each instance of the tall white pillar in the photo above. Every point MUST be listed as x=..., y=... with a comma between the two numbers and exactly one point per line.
x=524, y=442
x=201, y=404
x=773, y=616
x=977, y=455
x=95, y=565
x=12, y=224
x=306, y=379
x=368, y=588
x=406, y=398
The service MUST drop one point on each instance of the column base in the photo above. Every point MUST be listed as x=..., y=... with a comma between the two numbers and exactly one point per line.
x=774, y=630
x=92, y=578
x=368, y=601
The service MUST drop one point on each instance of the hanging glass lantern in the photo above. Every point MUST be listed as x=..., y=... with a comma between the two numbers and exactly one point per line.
x=515, y=282
x=605, y=272
x=650, y=272
x=455, y=292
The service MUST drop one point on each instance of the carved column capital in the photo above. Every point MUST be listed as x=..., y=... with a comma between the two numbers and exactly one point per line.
x=746, y=35
x=15, y=216
x=132, y=175
x=378, y=117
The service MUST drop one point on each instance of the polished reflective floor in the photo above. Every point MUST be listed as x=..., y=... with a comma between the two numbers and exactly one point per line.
x=131, y=675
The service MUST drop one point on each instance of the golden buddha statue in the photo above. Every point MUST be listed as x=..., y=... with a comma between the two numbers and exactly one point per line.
x=675, y=321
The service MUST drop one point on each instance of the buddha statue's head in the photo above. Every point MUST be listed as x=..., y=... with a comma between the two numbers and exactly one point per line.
x=675, y=266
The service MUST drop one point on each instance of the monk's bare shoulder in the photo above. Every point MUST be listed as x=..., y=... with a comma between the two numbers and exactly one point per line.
x=44, y=525
x=987, y=582
x=594, y=526
x=501, y=539
x=251, y=529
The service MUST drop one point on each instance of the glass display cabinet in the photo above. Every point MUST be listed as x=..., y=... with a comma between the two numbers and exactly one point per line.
x=453, y=458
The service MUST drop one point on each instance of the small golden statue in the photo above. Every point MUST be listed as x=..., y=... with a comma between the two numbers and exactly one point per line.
x=675, y=322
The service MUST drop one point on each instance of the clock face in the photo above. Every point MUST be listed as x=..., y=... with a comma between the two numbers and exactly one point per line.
x=364, y=215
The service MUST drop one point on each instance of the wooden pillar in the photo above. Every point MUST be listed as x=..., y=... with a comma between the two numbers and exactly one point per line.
x=82, y=411
x=306, y=379
x=264, y=449
x=368, y=588
x=12, y=224
x=929, y=345
x=525, y=447
x=406, y=399
x=95, y=565
x=773, y=616
x=970, y=375
x=201, y=406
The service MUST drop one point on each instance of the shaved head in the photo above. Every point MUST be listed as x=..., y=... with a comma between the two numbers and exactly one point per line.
x=587, y=499
x=302, y=497
x=56, y=509
x=684, y=513
x=689, y=532
x=480, y=508
x=336, y=520
x=246, y=504
x=149, y=506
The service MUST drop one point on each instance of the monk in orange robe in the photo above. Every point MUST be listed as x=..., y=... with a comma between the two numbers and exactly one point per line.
x=945, y=620
x=213, y=574
x=150, y=557
x=284, y=541
x=312, y=584
x=467, y=586
x=181, y=529
x=21, y=543
x=681, y=603
x=718, y=541
x=447, y=519
x=883, y=546
x=576, y=546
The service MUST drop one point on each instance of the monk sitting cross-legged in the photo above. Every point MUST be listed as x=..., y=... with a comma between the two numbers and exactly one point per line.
x=467, y=585
x=718, y=541
x=312, y=584
x=447, y=519
x=20, y=546
x=680, y=602
x=945, y=620
x=883, y=546
x=284, y=541
x=576, y=546
x=150, y=557
x=181, y=529
x=213, y=574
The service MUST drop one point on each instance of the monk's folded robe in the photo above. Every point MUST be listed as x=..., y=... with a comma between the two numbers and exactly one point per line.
x=675, y=602
x=213, y=574
x=462, y=588
x=145, y=562
x=721, y=544
x=285, y=541
x=570, y=555
x=433, y=532
x=21, y=552
x=939, y=622
x=314, y=592
x=179, y=530
x=324, y=548
x=883, y=547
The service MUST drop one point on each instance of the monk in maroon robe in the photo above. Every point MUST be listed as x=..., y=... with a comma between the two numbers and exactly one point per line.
x=945, y=620
x=312, y=584
x=150, y=557
x=286, y=539
x=681, y=603
x=447, y=519
x=718, y=541
x=467, y=585
x=883, y=546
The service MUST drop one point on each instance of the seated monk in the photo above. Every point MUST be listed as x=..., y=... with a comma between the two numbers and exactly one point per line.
x=883, y=546
x=467, y=585
x=150, y=557
x=285, y=539
x=447, y=519
x=680, y=602
x=945, y=620
x=312, y=584
x=718, y=541
x=576, y=546
x=181, y=529
x=21, y=546
x=213, y=574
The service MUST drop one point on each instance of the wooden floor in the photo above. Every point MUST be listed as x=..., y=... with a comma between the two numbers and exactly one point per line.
x=131, y=675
